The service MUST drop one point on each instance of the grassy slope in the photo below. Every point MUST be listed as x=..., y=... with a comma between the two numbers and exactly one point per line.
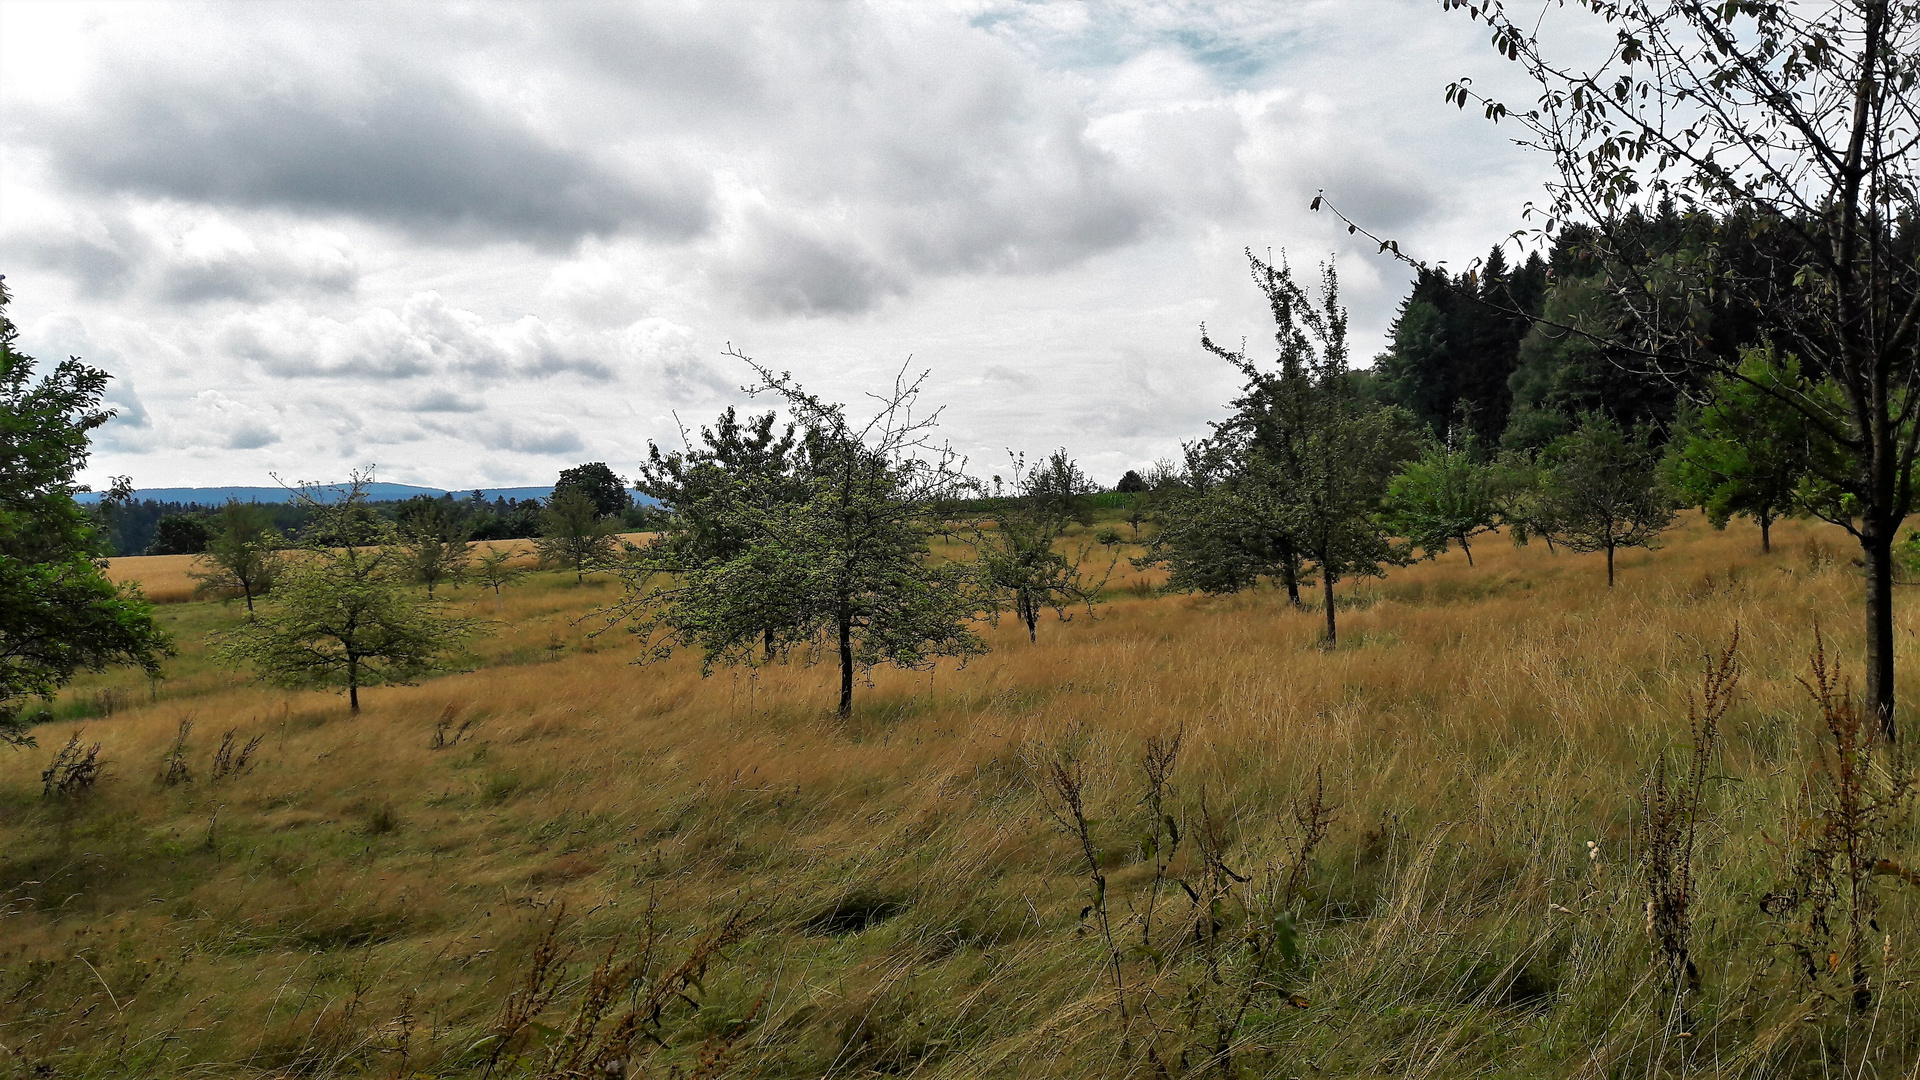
x=357, y=891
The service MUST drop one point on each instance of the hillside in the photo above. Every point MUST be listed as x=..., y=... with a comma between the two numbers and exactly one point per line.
x=1422, y=854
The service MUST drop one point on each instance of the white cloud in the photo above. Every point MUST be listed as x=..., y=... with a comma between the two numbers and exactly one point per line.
x=493, y=238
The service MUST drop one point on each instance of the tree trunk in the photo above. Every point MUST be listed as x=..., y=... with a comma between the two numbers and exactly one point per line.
x=1326, y=581
x=846, y=661
x=1766, y=534
x=766, y=643
x=353, y=693
x=1468, y=549
x=1609, y=566
x=249, y=595
x=1290, y=572
x=1877, y=546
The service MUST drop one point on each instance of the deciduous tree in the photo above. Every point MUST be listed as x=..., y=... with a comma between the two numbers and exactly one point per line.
x=59, y=615
x=842, y=569
x=1797, y=129
x=434, y=540
x=243, y=554
x=1020, y=549
x=346, y=615
x=1445, y=497
x=573, y=535
x=1606, y=489
x=598, y=483
x=1746, y=452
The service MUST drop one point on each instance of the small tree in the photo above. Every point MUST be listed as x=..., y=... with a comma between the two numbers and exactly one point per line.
x=598, y=483
x=1222, y=525
x=1020, y=552
x=1444, y=497
x=243, y=554
x=572, y=534
x=1526, y=511
x=346, y=615
x=495, y=571
x=434, y=541
x=1606, y=489
x=703, y=489
x=1745, y=452
x=843, y=568
x=1323, y=454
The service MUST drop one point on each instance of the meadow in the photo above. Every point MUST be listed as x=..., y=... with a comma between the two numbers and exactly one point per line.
x=1173, y=838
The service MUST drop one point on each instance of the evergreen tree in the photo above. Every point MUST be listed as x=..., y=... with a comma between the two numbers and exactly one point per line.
x=179, y=534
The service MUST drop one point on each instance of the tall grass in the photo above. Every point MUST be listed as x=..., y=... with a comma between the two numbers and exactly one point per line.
x=1423, y=854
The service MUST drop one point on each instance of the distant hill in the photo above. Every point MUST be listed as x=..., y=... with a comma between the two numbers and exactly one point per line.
x=217, y=496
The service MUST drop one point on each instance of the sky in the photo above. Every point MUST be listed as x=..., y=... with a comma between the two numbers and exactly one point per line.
x=474, y=244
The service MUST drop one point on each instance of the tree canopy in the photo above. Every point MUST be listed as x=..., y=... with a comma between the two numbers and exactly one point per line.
x=59, y=615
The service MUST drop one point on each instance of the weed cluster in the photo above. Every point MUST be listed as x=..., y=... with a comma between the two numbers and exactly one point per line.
x=74, y=770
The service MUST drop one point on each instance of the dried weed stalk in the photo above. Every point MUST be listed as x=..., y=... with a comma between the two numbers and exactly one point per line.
x=74, y=770
x=1670, y=822
x=1857, y=794
x=233, y=759
x=174, y=769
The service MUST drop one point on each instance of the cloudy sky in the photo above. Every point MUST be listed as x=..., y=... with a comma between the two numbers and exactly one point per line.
x=474, y=244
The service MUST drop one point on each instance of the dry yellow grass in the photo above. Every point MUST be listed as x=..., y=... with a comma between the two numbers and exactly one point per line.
x=1475, y=730
x=168, y=579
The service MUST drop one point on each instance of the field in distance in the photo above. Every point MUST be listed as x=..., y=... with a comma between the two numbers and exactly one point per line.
x=1421, y=854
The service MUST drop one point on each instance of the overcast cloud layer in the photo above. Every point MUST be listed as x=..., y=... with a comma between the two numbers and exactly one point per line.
x=475, y=244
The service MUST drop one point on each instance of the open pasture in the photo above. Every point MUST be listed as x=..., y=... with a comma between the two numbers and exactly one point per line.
x=365, y=895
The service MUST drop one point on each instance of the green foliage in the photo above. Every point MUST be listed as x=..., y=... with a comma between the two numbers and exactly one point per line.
x=573, y=535
x=347, y=615
x=1605, y=489
x=1221, y=528
x=1456, y=340
x=180, y=534
x=1746, y=452
x=1305, y=459
x=493, y=571
x=435, y=541
x=1445, y=497
x=242, y=554
x=599, y=484
x=1020, y=554
x=59, y=614
x=837, y=559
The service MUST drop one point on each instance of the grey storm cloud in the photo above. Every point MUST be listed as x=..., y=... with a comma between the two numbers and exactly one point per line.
x=446, y=401
x=401, y=148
